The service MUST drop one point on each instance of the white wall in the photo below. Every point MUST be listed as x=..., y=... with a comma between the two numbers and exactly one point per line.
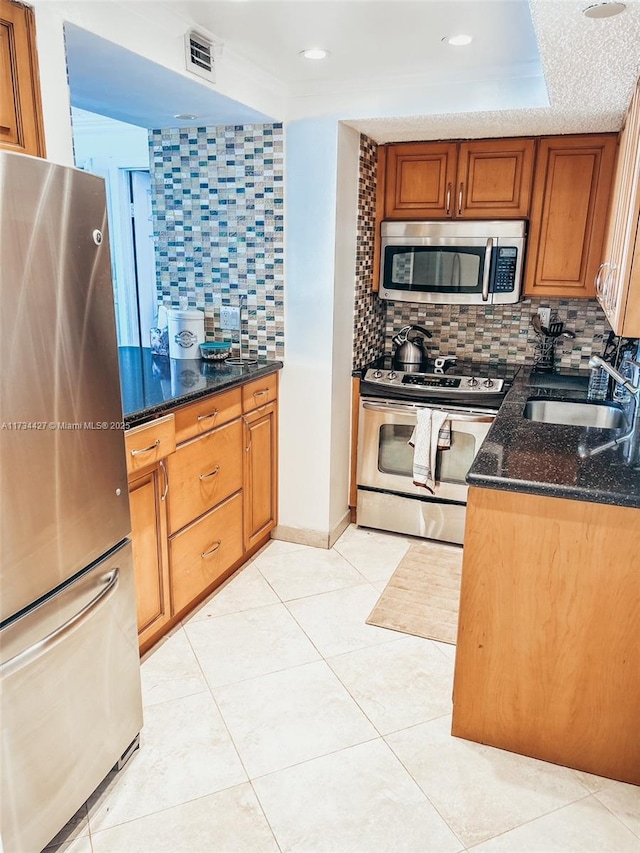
x=321, y=190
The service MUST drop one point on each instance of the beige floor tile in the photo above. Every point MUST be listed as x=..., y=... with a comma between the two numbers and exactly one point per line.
x=185, y=752
x=80, y=844
x=307, y=571
x=398, y=684
x=171, y=671
x=245, y=590
x=624, y=801
x=230, y=821
x=357, y=800
x=287, y=717
x=244, y=645
x=276, y=547
x=336, y=621
x=375, y=555
x=447, y=649
x=480, y=791
x=582, y=827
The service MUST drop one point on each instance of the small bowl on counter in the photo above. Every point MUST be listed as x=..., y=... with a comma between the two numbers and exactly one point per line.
x=215, y=350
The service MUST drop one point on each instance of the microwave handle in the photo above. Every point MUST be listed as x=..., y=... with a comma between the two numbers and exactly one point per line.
x=487, y=269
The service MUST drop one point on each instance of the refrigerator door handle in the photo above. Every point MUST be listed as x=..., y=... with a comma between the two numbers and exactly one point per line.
x=28, y=655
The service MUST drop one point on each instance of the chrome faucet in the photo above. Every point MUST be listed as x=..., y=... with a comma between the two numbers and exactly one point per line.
x=596, y=362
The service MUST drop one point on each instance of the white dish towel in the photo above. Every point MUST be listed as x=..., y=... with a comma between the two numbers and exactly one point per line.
x=430, y=432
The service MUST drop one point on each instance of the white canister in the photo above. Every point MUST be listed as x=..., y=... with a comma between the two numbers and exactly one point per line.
x=186, y=332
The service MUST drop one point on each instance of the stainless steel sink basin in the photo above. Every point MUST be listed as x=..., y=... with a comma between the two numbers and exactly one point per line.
x=575, y=413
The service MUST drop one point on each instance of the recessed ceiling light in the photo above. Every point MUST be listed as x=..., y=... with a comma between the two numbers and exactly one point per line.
x=604, y=10
x=186, y=116
x=459, y=40
x=314, y=53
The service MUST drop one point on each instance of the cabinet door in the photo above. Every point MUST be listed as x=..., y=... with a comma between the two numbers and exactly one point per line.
x=568, y=215
x=21, y=126
x=147, y=494
x=260, y=474
x=420, y=180
x=495, y=178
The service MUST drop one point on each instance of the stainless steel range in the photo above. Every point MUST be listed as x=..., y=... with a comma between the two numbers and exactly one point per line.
x=388, y=498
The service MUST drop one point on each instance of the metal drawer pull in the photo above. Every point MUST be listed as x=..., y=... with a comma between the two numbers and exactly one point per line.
x=211, y=551
x=448, y=202
x=166, y=480
x=260, y=393
x=146, y=449
x=210, y=474
x=460, y=199
x=206, y=417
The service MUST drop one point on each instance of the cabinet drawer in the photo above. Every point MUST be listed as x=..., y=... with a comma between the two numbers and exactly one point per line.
x=204, y=472
x=148, y=443
x=205, y=414
x=260, y=392
x=204, y=551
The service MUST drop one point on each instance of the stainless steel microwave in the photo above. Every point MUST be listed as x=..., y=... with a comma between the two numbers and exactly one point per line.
x=461, y=263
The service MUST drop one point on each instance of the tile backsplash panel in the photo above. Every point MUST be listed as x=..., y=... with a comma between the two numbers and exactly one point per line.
x=218, y=218
x=493, y=334
x=369, y=314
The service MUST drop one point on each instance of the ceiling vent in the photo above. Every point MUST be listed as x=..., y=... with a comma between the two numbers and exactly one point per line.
x=199, y=50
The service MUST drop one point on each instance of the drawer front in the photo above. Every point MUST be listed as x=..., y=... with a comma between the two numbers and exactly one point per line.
x=148, y=443
x=203, y=552
x=259, y=393
x=204, y=472
x=208, y=413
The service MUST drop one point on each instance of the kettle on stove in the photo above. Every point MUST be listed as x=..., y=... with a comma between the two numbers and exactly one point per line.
x=410, y=353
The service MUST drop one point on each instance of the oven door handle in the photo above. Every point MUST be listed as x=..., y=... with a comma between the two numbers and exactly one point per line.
x=480, y=417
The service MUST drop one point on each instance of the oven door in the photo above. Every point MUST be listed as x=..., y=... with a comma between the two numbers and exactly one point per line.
x=385, y=458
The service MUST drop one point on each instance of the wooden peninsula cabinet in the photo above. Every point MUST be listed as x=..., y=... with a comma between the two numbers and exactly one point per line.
x=21, y=126
x=147, y=447
x=547, y=652
x=568, y=215
x=480, y=179
x=203, y=498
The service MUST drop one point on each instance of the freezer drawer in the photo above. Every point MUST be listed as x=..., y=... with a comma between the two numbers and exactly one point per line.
x=70, y=700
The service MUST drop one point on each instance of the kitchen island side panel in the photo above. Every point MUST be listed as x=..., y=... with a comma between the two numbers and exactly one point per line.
x=547, y=656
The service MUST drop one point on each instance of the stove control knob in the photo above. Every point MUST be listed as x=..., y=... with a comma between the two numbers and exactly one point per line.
x=377, y=374
x=392, y=375
x=488, y=383
x=472, y=382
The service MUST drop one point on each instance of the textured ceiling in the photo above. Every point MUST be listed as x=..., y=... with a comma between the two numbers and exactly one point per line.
x=590, y=67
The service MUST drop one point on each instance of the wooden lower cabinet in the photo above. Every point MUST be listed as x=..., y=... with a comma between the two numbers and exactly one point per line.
x=150, y=557
x=260, y=473
x=547, y=652
x=204, y=551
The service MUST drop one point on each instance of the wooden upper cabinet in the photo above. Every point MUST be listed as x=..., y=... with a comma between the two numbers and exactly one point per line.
x=618, y=279
x=495, y=178
x=568, y=214
x=21, y=127
x=485, y=179
x=419, y=180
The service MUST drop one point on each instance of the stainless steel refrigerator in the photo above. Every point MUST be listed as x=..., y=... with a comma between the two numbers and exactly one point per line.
x=70, y=703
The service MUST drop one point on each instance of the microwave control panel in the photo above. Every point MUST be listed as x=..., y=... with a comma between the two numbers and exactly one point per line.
x=504, y=280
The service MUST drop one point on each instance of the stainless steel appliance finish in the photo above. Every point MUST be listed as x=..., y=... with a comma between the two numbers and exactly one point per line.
x=435, y=384
x=387, y=497
x=464, y=262
x=575, y=413
x=69, y=674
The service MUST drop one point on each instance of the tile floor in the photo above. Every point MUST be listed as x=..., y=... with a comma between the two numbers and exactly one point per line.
x=277, y=720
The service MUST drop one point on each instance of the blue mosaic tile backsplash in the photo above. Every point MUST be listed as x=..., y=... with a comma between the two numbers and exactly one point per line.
x=218, y=219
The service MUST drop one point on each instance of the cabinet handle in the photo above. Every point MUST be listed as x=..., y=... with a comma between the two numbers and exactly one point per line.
x=206, y=417
x=260, y=393
x=460, y=198
x=448, y=202
x=146, y=449
x=601, y=269
x=166, y=480
x=211, y=551
x=210, y=474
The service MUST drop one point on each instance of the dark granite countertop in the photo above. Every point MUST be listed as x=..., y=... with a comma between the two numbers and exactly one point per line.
x=152, y=385
x=539, y=458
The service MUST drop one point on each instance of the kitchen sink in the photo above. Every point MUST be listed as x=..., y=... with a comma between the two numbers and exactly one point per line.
x=575, y=413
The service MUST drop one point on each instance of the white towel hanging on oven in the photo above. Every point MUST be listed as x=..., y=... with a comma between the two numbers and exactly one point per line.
x=425, y=440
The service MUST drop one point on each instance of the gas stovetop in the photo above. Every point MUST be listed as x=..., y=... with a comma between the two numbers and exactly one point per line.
x=439, y=379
